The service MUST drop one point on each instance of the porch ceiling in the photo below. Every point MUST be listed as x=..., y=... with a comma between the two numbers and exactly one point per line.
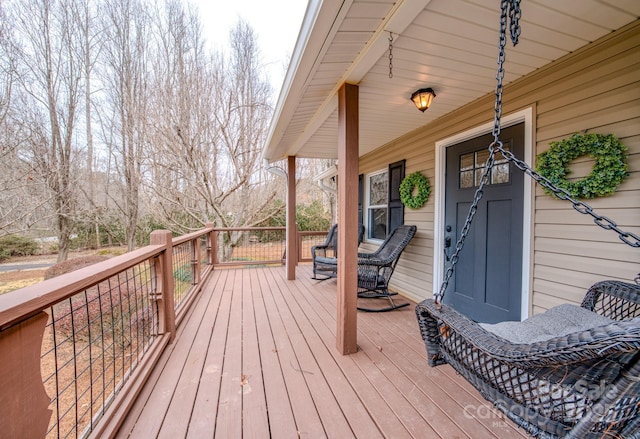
x=450, y=46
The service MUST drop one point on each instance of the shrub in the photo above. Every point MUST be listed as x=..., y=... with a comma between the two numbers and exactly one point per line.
x=312, y=216
x=72, y=264
x=182, y=274
x=13, y=245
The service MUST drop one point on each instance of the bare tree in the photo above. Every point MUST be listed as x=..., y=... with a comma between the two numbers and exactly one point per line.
x=8, y=73
x=25, y=204
x=51, y=77
x=9, y=202
x=170, y=128
x=215, y=110
x=242, y=115
x=125, y=75
x=90, y=27
x=183, y=135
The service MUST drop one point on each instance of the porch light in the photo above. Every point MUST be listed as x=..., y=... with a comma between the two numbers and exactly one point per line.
x=423, y=98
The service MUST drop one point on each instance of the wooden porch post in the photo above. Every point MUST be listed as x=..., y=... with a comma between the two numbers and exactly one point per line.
x=215, y=248
x=210, y=245
x=166, y=307
x=292, y=238
x=196, y=266
x=348, y=146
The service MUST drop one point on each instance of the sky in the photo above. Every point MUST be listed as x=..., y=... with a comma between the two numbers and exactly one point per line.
x=276, y=23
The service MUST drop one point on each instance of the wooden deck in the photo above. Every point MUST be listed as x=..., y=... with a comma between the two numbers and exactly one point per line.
x=256, y=358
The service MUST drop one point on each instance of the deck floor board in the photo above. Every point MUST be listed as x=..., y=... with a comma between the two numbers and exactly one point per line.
x=205, y=405
x=281, y=420
x=255, y=357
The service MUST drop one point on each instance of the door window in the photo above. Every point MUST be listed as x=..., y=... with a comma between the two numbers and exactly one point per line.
x=472, y=165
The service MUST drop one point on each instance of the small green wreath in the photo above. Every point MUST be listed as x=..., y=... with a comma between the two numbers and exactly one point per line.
x=609, y=170
x=418, y=183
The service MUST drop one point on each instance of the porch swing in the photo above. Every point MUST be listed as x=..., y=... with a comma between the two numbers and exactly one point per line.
x=577, y=380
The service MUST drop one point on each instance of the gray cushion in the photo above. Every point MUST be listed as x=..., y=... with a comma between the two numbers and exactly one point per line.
x=558, y=321
x=326, y=261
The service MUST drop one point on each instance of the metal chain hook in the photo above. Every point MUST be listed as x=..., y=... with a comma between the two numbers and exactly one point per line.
x=390, y=55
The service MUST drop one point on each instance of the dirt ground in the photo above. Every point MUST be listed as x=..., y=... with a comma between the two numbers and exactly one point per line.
x=21, y=275
x=16, y=279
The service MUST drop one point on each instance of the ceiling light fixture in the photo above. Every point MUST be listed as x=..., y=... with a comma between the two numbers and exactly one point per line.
x=423, y=98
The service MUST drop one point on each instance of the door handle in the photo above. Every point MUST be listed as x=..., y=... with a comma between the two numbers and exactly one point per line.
x=447, y=243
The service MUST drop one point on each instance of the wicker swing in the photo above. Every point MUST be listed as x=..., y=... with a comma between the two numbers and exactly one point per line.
x=574, y=381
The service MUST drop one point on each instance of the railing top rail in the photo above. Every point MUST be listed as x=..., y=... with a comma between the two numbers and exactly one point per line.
x=193, y=235
x=19, y=305
x=247, y=229
x=313, y=232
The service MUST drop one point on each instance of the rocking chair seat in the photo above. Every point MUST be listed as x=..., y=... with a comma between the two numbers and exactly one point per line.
x=325, y=256
x=326, y=266
x=375, y=269
x=324, y=252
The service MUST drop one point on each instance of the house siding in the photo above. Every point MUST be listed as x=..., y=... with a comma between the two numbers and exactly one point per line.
x=595, y=89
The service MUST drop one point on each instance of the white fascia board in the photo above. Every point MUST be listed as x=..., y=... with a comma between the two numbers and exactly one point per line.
x=331, y=171
x=316, y=33
x=401, y=16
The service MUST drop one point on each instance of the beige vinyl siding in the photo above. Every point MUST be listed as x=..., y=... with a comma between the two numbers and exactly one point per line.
x=595, y=89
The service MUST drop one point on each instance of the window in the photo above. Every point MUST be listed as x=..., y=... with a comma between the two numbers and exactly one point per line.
x=378, y=185
x=380, y=208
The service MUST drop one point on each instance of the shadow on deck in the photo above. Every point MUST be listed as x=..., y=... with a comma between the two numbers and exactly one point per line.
x=256, y=357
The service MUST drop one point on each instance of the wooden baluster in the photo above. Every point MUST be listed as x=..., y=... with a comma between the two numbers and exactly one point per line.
x=24, y=403
x=195, y=261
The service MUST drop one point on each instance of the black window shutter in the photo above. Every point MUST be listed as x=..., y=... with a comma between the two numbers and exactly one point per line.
x=395, y=208
x=360, y=199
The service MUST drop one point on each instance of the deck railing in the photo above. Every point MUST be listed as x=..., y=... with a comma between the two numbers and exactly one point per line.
x=306, y=240
x=77, y=349
x=238, y=246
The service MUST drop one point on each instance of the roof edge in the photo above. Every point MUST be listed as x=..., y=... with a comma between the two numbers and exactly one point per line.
x=317, y=24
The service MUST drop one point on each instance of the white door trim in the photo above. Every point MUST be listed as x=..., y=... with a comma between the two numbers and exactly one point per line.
x=525, y=116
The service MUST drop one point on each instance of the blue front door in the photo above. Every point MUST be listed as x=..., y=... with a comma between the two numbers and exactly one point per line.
x=487, y=282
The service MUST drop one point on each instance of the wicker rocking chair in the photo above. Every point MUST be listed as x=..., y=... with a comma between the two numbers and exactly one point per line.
x=375, y=269
x=574, y=381
x=324, y=257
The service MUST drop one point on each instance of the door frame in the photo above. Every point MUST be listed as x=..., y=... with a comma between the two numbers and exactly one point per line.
x=526, y=116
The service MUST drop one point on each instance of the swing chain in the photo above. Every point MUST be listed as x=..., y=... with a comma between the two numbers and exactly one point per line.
x=606, y=223
x=514, y=20
x=390, y=55
x=510, y=8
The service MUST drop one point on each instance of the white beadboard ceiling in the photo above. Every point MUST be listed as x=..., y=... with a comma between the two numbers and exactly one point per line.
x=448, y=45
